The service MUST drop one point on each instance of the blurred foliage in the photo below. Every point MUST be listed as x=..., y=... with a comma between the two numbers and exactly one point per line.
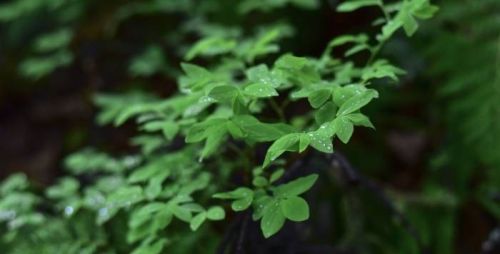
x=242, y=92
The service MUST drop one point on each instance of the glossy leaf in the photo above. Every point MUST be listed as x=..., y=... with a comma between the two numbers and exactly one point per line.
x=295, y=208
x=297, y=186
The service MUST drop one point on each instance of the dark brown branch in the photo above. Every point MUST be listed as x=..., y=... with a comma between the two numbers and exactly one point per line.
x=355, y=178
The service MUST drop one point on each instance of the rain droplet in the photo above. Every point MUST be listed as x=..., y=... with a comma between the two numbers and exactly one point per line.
x=69, y=210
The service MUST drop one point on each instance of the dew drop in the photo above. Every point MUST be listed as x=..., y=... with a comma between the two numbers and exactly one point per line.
x=69, y=210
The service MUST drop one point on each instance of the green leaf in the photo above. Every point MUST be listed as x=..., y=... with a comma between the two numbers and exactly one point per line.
x=197, y=220
x=243, y=196
x=200, y=131
x=298, y=70
x=260, y=90
x=235, y=130
x=215, y=136
x=295, y=208
x=148, y=248
x=285, y=143
x=53, y=41
x=197, y=77
x=260, y=181
x=163, y=218
x=426, y=11
x=181, y=213
x=276, y=175
x=147, y=172
x=343, y=128
x=353, y=5
x=259, y=206
x=410, y=25
x=224, y=93
x=381, y=69
x=272, y=219
x=211, y=46
x=343, y=39
x=216, y=213
x=65, y=188
x=356, y=102
x=154, y=187
x=296, y=187
x=170, y=129
x=342, y=94
x=390, y=28
x=261, y=74
x=326, y=113
x=263, y=44
x=304, y=142
x=14, y=182
x=151, y=61
x=125, y=196
x=241, y=204
x=291, y=62
x=359, y=119
x=320, y=141
x=259, y=131
x=356, y=49
x=143, y=214
x=241, y=192
x=319, y=97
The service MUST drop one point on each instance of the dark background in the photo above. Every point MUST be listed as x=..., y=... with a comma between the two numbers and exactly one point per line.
x=43, y=121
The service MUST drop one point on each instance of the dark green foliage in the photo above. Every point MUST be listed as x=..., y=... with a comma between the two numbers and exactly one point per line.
x=223, y=145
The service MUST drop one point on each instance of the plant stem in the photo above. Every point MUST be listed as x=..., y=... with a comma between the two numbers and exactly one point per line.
x=277, y=109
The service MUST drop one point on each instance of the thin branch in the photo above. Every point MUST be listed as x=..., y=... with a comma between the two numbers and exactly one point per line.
x=243, y=230
x=353, y=176
x=277, y=109
x=229, y=235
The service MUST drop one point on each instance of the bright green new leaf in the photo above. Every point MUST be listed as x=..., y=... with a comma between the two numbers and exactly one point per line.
x=410, y=25
x=295, y=208
x=259, y=131
x=143, y=214
x=296, y=187
x=319, y=97
x=225, y=93
x=215, y=136
x=211, y=46
x=197, y=220
x=197, y=77
x=352, y=5
x=359, y=119
x=243, y=198
x=154, y=248
x=126, y=196
x=343, y=128
x=182, y=213
x=321, y=141
x=53, y=41
x=344, y=93
x=283, y=144
x=216, y=213
x=326, y=113
x=356, y=102
x=272, y=219
x=241, y=204
x=260, y=90
x=261, y=74
x=276, y=175
x=241, y=192
x=259, y=206
x=260, y=181
x=304, y=142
